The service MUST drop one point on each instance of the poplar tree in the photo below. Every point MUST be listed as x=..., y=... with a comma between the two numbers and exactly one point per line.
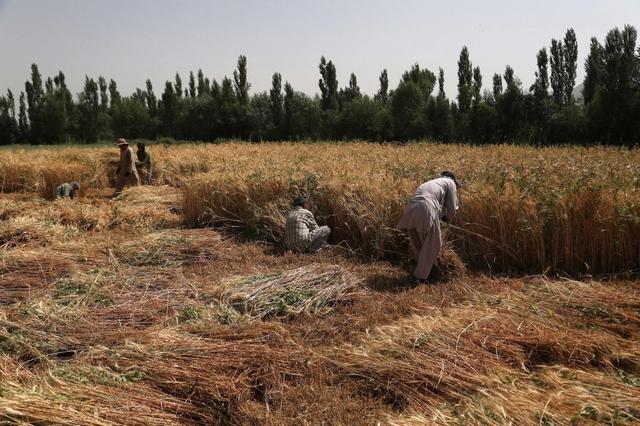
x=594, y=71
x=557, y=72
x=477, y=86
x=203, y=88
x=23, y=123
x=169, y=103
x=328, y=84
x=570, y=57
x=152, y=101
x=276, y=100
x=89, y=108
x=441, y=93
x=465, y=76
x=352, y=91
x=540, y=87
x=288, y=110
x=178, y=86
x=192, y=85
x=497, y=86
x=383, y=92
x=34, y=102
x=104, y=99
x=241, y=85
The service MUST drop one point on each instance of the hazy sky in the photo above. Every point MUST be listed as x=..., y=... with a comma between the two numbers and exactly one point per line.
x=132, y=40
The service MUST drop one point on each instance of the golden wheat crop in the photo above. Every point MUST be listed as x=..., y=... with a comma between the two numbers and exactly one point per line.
x=573, y=210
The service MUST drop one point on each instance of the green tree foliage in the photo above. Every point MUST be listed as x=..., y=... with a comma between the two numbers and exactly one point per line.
x=302, y=115
x=104, y=98
x=477, y=86
x=557, y=72
x=151, y=100
x=352, y=91
x=192, y=85
x=382, y=95
x=328, y=84
x=594, y=71
x=203, y=84
x=23, y=123
x=178, y=86
x=35, y=95
x=570, y=55
x=276, y=103
x=540, y=87
x=497, y=86
x=8, y=124
x=465, y=76
x=114, y=95
x=89, y=109
x=208, y=110
x=240, y=82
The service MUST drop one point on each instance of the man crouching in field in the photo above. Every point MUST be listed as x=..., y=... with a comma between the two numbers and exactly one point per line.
x=66, y=190
x=433, y=200
x=127, y=166
x=302, y=234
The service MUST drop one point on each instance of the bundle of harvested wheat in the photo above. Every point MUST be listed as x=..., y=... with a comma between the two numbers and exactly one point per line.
x=214, y=373
x=23, y=272
x=417, y=361
x=170, y=248
x=67, y=403
x=448, y=265
x=22, y=231
x=306, y=289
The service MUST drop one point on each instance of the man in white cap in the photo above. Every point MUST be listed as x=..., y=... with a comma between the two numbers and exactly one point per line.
x=433, y=201
x=127, y=167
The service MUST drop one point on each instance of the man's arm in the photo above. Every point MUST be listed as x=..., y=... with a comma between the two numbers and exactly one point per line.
x=311, y=222
x=451, y=201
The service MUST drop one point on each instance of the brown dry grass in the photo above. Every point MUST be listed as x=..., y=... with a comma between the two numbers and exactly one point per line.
x=112, y=313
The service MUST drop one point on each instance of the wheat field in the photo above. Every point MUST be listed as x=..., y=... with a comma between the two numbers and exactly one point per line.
x=175, y=303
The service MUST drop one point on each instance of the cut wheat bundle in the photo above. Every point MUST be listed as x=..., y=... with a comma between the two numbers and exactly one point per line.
x=306, y=289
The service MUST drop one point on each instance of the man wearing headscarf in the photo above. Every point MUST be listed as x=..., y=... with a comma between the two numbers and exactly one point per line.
x=433, y=201
x=66, y=190
x=127, y=166
x=302, y=234
x=144, y=162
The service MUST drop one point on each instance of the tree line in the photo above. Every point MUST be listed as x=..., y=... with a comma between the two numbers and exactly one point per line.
x=607, y=112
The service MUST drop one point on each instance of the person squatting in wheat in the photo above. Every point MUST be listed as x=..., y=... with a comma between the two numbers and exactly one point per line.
x=302, y=233
x=66, y=190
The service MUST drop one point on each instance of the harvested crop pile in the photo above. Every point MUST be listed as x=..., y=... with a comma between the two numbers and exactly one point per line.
x=22, y=273
x=448, y=265
x=22, y=231
x=307, y=289
x=214, y=373
x=170, y=248
x=67, y=402
x=417, y=361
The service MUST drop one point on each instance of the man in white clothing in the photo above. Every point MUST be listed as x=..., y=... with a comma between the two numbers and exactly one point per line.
x=433, y=201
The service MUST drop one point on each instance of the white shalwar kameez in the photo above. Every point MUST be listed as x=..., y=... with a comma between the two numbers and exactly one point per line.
x=431, y=201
